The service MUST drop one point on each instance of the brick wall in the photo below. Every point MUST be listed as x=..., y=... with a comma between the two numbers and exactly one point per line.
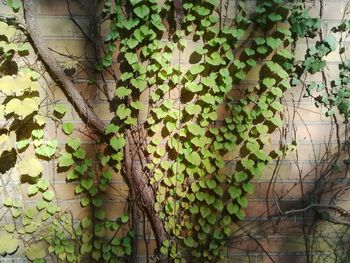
x=295, y=178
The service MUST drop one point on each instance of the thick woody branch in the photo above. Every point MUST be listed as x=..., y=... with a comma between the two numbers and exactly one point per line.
x=56, y=70
x=143, y=189
x=179, y=12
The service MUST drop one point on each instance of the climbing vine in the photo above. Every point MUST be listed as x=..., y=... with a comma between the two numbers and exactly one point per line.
x=186, y=144
x=22, y=144
x=195, y=198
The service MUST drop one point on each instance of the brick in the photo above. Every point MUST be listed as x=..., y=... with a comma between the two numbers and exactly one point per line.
x=60, y=8
x=286, y=227
x=303, y=171
x=66, y=48
x=55, y=27
x=296, y=94
x=61, y=176
x=188, y=54
x=233, y=154
x=318, y=133
x=80, y=131
x=333, y=10
x=243, y=259
x=305, y=152
x=289, y=190
x=78, y=212
x=68, y=116
x=86, y=27
x=290, y=244
x=283, y=238
x=114, y=209
x=304, y=112
x=223, y=112
x=66, y=192
x=256, y=208
x=243, y=245
x=283, y=258
x=103, y=111
x=283, y=172
x=117, y=191
x=331, y=149
x=253, y=74
x=105, y=90
x=89, y=92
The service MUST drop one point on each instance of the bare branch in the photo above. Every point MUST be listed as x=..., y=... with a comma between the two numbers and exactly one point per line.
x=338, y=209
x=56, y=71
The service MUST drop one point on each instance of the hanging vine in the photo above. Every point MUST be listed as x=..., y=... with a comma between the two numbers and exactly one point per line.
x=188, y=169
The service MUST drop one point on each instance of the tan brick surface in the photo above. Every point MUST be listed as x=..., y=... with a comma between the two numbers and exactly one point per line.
x=55, y=27
x=281, y=236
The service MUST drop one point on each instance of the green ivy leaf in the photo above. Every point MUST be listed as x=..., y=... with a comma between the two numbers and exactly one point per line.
x=22, y=144
x=123, y=112
x=195, y=129
x=97, y=202
x=74, y=143
x=30, y=166
x=40, y=205
x=274, y=17
x=43, y=184
x=194, y=158
x=124, y=218
x=86, y=222
x=142, y=11
x=248, y=187
x=232, y=208
x=38, y=134
x=35, y=251
x=277, y=69
x=269, y=82
x=117, y=143
x=68, y=128
x=193, y=87
x=242, y=201
x=277, y=121
x=240, y=176
x=65, y=160
x=139, y=83
x=8, y=244
x=80, y=154
x=87, y=183
x=32, y=190
x=84, y=201
x=189, y=242
x=60, y=109
x=215, y=59
x=71, y=176
x=205, y=211
x=261, y=128
x=111, y=129
x=273, y=42
x=48, y=195
x=21, y=108
x=234, y=192
x=211, y=184
x=131, y=58
x=277, y=106
x=196, y=69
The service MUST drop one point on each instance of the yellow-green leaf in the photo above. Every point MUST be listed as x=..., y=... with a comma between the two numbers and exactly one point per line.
x=30, y=166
